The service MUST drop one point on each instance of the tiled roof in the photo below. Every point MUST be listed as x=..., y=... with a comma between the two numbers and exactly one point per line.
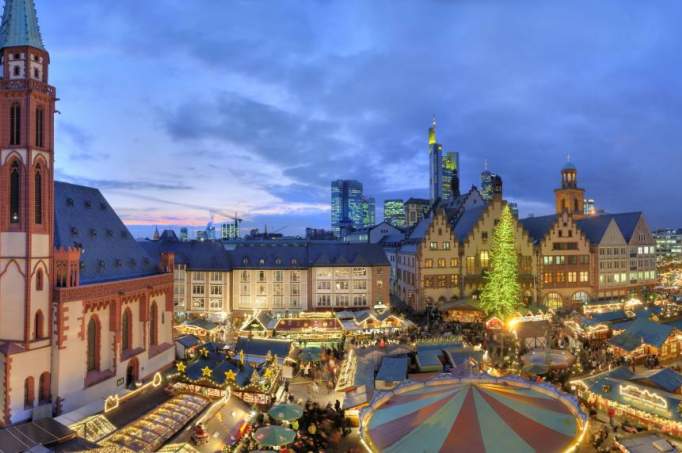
x=84, y=219
x=538, y=227
x=20, y=25
x=467, y=221
x=420, y=229
x=188, y=340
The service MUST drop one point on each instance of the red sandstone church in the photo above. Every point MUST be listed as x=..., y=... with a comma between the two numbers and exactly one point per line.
x=85, y=311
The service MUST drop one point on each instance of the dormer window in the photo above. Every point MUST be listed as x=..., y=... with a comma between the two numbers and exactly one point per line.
x=278, y=261
x=74, y=231
x=93, y=233
x=118, y=262
x=100, y=265
x=69, y=202
x=103, y=206
x=145, y=261
x=110, y=234
x=294, y=261
x=87, y=204
x=132, y=262
x=261, y=261
x=124, y=234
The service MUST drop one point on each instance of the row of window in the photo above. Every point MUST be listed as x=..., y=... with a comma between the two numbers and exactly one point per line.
x=15, y=125
x=441, y=263
x=278, y=276
x=549, y=260
x=342, y=285
x=325, y=300
x=622, y=277
x=565, y=277
x=433, y=245
x=342, y=272
x=441, y=281
x=262, y=301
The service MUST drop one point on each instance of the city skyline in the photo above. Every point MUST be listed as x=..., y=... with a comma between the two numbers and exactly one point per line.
x=318, y=104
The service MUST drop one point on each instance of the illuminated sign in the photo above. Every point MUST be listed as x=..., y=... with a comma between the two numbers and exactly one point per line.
x=206, y=392
x=643, y=397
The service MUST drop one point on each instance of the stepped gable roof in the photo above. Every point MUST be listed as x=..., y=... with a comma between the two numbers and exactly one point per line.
x=84, y=219
x=467, y=221
x=20, y=25
x=538, y=227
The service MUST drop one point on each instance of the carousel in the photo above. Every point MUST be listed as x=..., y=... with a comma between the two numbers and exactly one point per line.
x=477, y=413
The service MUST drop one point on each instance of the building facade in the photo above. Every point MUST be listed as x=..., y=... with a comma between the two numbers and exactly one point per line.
x=668, y=244
x=86, y=310
x=350, y=208
x=232, y=281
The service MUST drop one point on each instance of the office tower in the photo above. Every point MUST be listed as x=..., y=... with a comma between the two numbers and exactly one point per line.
x=443, y=169
x=350, y=208
x=394, y=212
x=184, y=234
x=487, y=178
x=369, y=211
x=514, y=207
x=589, y=207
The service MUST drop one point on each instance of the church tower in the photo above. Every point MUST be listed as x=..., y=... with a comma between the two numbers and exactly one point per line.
x=570, y=198
x=27, y=106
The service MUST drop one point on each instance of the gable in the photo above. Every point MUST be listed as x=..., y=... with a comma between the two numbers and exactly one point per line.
x=641, y=234
x=612, y=235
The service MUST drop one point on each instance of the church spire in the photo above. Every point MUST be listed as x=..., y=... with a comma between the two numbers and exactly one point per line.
x=20, y=25
x=432, y=132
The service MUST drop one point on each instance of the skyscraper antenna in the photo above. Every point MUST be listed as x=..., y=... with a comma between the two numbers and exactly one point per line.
x=568, y=157
x=485, y=165
x=433, y=122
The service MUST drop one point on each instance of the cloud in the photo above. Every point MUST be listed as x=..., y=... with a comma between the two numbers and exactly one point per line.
x=111, y=184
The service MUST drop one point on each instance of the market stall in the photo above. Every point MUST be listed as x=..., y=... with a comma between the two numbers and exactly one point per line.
x=203, y=329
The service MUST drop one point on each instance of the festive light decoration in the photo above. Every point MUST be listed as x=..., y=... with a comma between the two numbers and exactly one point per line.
x=502, y=293
x=230, y=376
x=181, y=367
x=206, y=372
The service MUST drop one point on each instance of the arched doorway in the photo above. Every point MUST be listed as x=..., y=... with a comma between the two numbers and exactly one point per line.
x=132, y=372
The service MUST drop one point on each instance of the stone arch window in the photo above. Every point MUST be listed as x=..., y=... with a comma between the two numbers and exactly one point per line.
x=15, y=124
x=14, y=192
x=38, y=196
x=94, y=336
x=39, y=325
x=40, y=280
x=127, y=330
x=40, y=127
x=154, y=325
x=29, y=392
x=44, y=392
x=554, y=301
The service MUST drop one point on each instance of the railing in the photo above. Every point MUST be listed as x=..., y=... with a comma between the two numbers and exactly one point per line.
x=23, y=84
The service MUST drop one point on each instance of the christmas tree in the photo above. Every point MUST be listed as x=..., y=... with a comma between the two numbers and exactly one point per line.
x=501, y=293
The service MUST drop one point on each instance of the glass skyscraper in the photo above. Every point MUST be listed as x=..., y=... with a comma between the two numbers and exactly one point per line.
x=350, y=208
x=487, y=178
x=394, y=212
x=443, y=169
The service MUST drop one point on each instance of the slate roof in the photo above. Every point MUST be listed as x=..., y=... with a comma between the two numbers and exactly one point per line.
x=84, y=219
x=197, y=255
x=627, y=222
x=538, y=227
x=322, y=254
x=467, y=221
x=200, y=323
x=20, y=25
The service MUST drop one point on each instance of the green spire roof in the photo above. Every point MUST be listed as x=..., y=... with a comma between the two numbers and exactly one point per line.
x=20, y=25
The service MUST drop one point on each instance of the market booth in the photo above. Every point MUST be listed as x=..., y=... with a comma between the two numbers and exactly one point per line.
x=464, y=311
x=642, y=398
x=203, y=329
x=477, y=413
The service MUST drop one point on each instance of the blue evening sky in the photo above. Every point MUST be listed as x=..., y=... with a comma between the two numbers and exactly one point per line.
x=176, y=107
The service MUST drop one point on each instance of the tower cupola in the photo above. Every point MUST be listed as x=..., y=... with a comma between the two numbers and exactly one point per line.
x=570, y=198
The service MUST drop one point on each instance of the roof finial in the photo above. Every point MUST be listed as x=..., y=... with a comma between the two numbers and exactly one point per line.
x=485, y=165
x=433, y=122
x=568, y=157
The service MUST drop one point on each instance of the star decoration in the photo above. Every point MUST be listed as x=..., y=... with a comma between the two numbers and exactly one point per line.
x=181, y=367
x=206, y=372
x=230, y=375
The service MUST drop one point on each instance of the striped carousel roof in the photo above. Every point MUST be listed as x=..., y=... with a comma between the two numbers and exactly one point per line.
x=472, y=417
